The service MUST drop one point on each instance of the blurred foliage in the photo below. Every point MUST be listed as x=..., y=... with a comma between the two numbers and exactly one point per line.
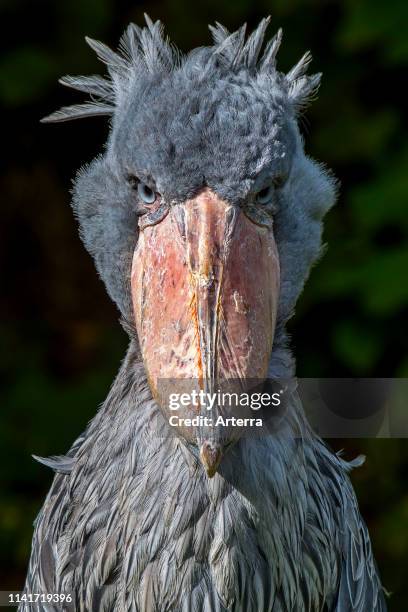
x=60, y=341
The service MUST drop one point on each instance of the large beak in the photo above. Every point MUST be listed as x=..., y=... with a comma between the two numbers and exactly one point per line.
x=205, y=285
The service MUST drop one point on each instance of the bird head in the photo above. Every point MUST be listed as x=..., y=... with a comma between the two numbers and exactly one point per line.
x=203, y=214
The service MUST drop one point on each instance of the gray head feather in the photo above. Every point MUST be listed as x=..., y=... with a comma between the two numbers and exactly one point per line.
x=147, y=49
x=269, y=57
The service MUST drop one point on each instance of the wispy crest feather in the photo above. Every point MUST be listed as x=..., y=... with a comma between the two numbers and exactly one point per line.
x=147, y=50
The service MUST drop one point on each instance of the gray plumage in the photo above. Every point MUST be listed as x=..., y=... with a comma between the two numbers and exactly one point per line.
x=131, y=521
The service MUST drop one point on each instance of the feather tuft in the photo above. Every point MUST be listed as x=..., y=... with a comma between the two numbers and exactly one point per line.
x=268, y=60
x=219, y=33
x=113, y=60
x=94, y=85
x=79, y=111
x=61, y=464
x=147, y=50
x=230, y=51
x=303, y=90
x=254, y=43
x=300, y=68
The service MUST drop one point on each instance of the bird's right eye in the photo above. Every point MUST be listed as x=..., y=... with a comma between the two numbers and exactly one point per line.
x=147, y=195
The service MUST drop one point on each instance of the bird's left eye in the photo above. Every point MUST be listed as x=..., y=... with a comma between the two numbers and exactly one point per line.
x=265, y=195
x=146, y=194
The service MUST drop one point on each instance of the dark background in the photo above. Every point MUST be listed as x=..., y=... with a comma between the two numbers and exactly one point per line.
x=60, y=340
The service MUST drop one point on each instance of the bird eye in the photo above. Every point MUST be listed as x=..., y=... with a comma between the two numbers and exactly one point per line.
x=146, y=194
x=265, y=195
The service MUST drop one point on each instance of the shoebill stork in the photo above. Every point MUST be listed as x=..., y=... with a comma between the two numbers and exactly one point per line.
x=204, y=216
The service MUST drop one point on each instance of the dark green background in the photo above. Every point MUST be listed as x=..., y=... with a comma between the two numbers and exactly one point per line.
x=60, y=340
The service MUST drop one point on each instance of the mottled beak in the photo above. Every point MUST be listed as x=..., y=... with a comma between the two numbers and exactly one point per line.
x=210, y=455
x=205, y=286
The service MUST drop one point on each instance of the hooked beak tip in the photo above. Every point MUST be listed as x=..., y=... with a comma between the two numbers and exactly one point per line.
x=210, y=455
